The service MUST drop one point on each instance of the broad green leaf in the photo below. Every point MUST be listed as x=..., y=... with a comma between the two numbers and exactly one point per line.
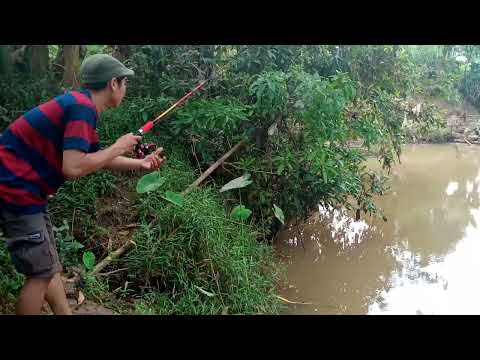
x=88, y=260
x=279, y=214
x=150, y=182
x=241, y=213
x=237, y=183
x=173, y=197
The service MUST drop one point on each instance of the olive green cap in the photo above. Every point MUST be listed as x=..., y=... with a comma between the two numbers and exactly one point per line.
x=100, y=68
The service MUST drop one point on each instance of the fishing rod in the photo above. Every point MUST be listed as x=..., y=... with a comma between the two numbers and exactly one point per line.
x=142, y=150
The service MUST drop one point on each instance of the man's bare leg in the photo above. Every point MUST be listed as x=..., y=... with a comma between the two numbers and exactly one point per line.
x=56, y=297
x=31, y=296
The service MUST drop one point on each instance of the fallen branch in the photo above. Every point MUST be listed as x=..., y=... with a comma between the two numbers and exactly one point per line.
x=112, y=272
x=293, y=302
x=117, y=253
x=130, y=226
x=213, y=167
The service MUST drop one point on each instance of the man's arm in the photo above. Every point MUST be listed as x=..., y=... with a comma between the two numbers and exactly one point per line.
x=77, y=163
x=122, y=163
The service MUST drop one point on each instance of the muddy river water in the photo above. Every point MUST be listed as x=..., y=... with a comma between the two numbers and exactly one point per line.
x=424, y=260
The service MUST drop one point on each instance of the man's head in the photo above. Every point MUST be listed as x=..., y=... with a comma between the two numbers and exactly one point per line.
x=104, y=73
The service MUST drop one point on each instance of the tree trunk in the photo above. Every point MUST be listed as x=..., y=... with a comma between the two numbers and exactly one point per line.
x=58, y=65
x=83, y=52
x=71, y=57
x=121, y=52
x=39, y=60
x=5, y=60
x=59, y=58
x=18, y=58
x=207, y=61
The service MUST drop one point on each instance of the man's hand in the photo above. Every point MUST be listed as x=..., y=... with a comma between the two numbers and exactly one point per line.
x=154, y=160
x=126, y=144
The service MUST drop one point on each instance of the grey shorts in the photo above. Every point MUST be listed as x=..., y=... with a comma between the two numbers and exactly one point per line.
x=31, y=243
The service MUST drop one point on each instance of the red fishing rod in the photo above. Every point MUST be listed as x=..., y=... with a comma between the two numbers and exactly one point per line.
x=144, y=149
x=149, y=125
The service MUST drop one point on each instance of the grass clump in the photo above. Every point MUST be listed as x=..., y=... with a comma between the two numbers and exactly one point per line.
x=197, y=260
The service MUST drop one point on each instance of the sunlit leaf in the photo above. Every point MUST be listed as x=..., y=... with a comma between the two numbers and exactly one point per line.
x=150, y=182
x=241, y=213
x=237, y=183
x=88, y=260
x=279, y=214
x=173, y=197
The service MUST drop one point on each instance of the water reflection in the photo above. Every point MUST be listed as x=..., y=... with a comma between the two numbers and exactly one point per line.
x=421, y=261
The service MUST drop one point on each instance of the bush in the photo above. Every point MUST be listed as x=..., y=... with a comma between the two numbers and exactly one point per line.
x=438, y=135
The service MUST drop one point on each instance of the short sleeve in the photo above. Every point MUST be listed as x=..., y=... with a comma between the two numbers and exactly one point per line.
x=80, y=129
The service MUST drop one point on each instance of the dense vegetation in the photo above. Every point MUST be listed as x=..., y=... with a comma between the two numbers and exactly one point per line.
x=308, y=115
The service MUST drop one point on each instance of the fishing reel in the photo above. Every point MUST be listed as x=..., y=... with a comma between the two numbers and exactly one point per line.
x=145, y=149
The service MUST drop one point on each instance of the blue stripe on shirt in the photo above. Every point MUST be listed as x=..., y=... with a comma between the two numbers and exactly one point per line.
x=12, y=180
x=44, y=126
x=22, y=209
x=76, y=143
x=66, y=100
x=81, y=112
x=50, y=175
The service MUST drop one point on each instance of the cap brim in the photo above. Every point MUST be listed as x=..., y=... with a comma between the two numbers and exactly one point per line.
x=127, y=72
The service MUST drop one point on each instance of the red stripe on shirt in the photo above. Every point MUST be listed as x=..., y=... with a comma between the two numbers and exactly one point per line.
x=31, y=137
x=23, y=169
x=81, y=129
x=54, y=111
x=83, y=99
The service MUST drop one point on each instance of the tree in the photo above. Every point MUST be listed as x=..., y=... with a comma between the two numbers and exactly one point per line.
x=5, y=60
x=38, y=58
x=71, y=59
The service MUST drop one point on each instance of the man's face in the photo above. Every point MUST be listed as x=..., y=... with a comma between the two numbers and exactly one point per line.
x=119, y=88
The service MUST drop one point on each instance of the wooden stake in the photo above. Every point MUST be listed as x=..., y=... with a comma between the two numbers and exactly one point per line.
x=213, y=167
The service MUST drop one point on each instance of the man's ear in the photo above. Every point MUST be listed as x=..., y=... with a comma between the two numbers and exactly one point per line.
x=112, y=84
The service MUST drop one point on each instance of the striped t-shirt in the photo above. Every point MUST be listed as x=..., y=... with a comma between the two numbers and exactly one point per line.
x=31, y=149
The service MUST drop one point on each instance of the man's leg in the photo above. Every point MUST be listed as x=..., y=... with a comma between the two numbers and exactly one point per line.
x=31, y=296
x=32, y=246
x=56, y=297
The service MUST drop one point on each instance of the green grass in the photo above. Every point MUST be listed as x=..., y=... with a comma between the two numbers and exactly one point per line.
x=197, y=260
x=183, y=250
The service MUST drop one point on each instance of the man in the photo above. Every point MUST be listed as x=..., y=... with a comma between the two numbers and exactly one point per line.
x=49, y=144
